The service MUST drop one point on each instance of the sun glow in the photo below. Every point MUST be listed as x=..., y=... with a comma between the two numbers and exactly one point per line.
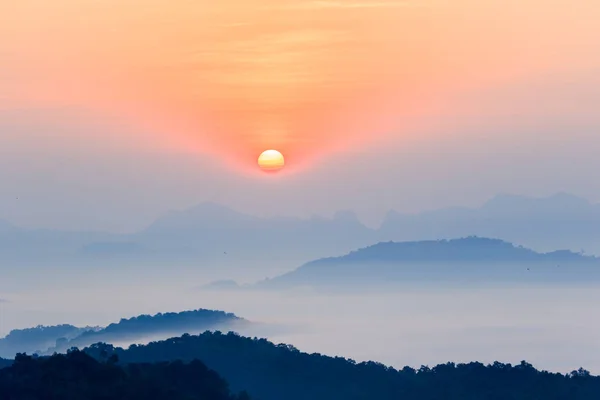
x=308, y=77
x=271, y=161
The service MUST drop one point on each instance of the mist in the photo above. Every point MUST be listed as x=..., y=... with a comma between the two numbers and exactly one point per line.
x=550, y=326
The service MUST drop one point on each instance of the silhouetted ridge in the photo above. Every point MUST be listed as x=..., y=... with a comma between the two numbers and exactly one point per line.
x=169, y=320
x=78, y=376
x=274, y=372
x=149, y=325
x=201, y=235
x=467, y=249
x=222, y=284
x=466, y=259
x=49, y=339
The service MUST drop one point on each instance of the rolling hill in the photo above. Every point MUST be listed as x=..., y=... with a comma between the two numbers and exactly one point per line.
x=47, y=340
x=76, y=375
x=471, y=259
x=273, y=372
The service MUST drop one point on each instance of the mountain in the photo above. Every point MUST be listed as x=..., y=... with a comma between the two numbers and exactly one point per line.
x=159, y=326
x=213, y=228
x=214, y=239
x=50, y=339
x=273, y=372
x=471, y=259
x=225, y=284
x=558, y=221
x=35, y=340
x=76, y=375
x=207, y=238
x=190, y=367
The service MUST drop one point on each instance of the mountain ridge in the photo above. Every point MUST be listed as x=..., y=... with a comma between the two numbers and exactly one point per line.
x=270, y=371
x=218, y=236
x=46, y=340
x=464, y=259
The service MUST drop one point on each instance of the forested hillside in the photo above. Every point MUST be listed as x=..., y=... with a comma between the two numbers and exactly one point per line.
x=76, y=375
x=274, y=372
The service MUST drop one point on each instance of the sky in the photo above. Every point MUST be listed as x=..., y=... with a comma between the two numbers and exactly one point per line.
x=113, y=112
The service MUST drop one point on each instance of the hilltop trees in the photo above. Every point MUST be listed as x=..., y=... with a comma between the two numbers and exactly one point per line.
x=272, y=372
x=77, y=375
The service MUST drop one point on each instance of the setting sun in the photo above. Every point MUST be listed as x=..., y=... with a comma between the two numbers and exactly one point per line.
x=271, y=160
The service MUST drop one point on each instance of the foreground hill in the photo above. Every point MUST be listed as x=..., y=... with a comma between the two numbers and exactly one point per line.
x=78, y=376
x=46, y=340
x=471, y=259
x=275, y=372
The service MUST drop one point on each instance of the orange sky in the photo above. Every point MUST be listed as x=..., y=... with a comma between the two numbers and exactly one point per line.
x=304, y=77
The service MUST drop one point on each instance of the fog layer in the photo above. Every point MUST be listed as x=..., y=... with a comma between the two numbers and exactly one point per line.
x=550, y=326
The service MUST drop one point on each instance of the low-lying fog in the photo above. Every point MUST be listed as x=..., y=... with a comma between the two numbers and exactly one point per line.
x=554, y=328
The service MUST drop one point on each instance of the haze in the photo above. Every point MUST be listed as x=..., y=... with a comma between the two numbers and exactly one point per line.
x=439, y=201
x=422, y=325
x=113, y=113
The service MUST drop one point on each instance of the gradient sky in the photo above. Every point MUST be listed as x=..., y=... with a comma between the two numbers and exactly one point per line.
x=115, y=111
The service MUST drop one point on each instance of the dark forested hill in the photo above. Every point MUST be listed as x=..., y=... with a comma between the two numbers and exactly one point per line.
x=275, y=372
x=162, y=325
x=50, y=339
x=77, y=376
x=458, y=260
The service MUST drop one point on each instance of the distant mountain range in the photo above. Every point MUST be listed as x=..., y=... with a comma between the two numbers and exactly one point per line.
x=471, y=259
x=561, y=221
x=49, y=339
x=212, y=236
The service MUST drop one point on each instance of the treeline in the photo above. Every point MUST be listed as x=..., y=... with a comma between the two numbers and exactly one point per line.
x=273, y=372
x=45, y=340
x=170, y=369
x=172, y=320
x=194, y=321
x=78, y=376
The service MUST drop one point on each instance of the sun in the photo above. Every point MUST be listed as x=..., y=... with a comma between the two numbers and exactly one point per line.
x=271, y=161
